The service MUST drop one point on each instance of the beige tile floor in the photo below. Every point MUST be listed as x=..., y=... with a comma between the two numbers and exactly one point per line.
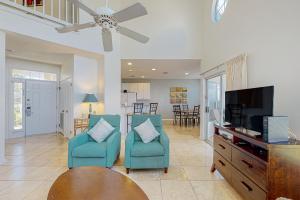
x=34, y=163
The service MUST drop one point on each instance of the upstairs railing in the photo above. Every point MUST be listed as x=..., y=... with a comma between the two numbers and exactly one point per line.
x=60, y=11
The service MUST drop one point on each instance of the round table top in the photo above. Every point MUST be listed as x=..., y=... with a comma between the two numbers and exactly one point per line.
x=93, y=183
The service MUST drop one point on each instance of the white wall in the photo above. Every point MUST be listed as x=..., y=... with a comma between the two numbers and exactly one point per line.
x=112, y=79
x=160, y=93
x=85, y=80
x=67, y=68
x=2, y=99
x=174, y=28
x=268, y=31
x=16, y=63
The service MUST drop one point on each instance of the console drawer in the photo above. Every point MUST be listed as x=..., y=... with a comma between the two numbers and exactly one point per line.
x=222, y=147
x=247, y=189
x=255, y=170
x=222, y=166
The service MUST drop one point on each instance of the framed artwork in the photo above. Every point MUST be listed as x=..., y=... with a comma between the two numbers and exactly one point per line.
x=178, y=95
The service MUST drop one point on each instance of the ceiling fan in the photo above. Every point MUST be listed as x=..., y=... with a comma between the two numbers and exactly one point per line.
x=107, y=19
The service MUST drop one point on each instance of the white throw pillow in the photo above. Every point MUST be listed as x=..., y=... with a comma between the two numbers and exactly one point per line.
x=147, y=131
x=101, y=130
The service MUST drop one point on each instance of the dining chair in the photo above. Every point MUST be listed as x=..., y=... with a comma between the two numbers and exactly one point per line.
x=185, y=113
x=153, y=108
x=138, y=108
x=177, y=114
x=195, y=116
x=185, y=108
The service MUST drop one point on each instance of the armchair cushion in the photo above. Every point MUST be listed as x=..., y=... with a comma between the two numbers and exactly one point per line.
x=101, y=130
x=141, y=149
x=147, y=131
x=139, y=119
x=90, y=150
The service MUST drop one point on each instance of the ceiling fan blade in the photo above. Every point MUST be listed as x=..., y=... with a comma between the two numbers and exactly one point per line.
x=132, y=34
x=75, y=27
x=134, y=11
x=84, y=7
x=107, y=40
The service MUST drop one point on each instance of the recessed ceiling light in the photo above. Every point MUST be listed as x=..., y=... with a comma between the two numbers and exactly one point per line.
x=130, y=63
x=142, y=76
x=130, y=70
x=187, y=73
x=153, y=69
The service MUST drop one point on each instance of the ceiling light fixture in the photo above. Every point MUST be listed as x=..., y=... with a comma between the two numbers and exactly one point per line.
x=131, y=70
x=153, y=69
x=187, y=73
x=129, y=63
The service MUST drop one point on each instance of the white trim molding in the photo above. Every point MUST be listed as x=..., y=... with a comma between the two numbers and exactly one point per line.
x=2, y=99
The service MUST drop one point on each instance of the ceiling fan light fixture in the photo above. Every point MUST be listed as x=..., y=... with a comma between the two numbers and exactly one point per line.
x=109, y=20
x=105, y=11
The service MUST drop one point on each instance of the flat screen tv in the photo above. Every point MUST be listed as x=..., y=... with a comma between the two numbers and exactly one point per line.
x=246, y=108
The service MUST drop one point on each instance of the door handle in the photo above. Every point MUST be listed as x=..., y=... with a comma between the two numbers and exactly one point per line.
x=247, y=186
x=221, y=162
x=247, y=163
x=28, y=111
x=207, y=109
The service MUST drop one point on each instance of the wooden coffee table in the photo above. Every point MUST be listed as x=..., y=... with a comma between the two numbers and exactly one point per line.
x=95, y=183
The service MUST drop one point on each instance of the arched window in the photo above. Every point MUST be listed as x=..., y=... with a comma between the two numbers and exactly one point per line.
x=218, y=9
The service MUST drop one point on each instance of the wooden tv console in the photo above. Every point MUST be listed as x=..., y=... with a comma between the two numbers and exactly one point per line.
x=257, y=170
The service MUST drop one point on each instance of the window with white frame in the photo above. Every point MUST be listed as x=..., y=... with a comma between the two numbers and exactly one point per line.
x=218, y=9
x=35, y=75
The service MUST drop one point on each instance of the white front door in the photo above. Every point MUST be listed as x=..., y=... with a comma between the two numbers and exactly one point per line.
x=40, y=107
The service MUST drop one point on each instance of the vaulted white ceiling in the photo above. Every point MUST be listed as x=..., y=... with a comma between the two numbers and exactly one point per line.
x=174, y=28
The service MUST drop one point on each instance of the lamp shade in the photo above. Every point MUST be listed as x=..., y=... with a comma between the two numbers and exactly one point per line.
x=90, y=98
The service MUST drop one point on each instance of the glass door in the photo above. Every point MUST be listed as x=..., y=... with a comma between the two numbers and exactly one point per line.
x=17, y=106
x=215, y=102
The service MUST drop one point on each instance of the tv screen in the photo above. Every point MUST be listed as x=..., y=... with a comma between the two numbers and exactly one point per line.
x=246, y=108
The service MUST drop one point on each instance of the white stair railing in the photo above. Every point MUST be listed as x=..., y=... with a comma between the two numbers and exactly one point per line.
x=59, y=11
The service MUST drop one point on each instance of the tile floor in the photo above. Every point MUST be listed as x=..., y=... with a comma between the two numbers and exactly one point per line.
x=34, y=163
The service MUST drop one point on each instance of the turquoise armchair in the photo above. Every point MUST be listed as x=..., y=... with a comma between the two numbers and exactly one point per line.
x=85, y=151
x=139, y=155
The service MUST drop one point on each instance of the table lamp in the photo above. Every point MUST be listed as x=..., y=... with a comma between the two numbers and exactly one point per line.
x=90, y=98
